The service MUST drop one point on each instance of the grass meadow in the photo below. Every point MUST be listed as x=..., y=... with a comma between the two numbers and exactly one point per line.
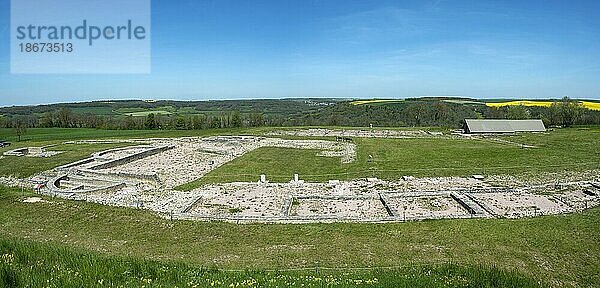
x=560, y=150
x=557, y=250
x=30, y=264
x=64, y=243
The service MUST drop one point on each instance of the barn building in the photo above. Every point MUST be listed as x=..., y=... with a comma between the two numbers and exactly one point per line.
x=503, y=126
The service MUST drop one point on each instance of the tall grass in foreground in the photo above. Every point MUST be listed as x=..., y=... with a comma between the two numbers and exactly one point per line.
x=30, y=264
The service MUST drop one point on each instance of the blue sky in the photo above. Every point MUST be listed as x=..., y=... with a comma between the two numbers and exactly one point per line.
x=278, y=49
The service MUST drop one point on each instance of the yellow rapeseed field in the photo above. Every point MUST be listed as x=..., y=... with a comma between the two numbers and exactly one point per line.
x=591, y=105
x=522, y=102
x=586, y=104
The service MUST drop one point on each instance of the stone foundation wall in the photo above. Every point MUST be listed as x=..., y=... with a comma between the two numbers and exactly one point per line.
x=131, y=158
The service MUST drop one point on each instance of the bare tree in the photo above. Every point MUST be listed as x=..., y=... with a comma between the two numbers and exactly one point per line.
x=20, y=129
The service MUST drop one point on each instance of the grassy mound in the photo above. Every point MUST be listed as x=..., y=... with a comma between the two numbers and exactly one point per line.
x=29, y=264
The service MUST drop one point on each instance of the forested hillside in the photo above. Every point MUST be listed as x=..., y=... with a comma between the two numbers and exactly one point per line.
x=138, y=114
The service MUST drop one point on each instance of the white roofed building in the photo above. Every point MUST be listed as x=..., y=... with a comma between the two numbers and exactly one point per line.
x=503, y=126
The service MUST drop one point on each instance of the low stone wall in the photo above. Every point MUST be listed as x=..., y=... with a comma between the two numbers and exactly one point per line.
x=191, y=206
x=98, y=155
x=17, y=152
x=131, y=158
x=75, y=164
x=287, y=206
x=384, y=200
x=32, y=152
x=53, y=186
x=468, y=203
x=143, y=177
x=334, y=197
x=306, y=219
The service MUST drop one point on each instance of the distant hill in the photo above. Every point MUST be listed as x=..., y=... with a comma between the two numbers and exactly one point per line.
x=127, y=107
x=169, y=114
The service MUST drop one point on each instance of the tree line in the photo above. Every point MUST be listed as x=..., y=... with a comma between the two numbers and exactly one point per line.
x=412, y=112
x=565, y=113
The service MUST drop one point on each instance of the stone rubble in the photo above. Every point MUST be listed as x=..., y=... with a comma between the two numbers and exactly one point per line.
x=32, y=152
x=193, y=158
x=148, y=182
x=359, y=133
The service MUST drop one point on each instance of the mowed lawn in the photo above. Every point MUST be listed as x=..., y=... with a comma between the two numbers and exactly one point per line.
x=563, y=149
x=558, y=250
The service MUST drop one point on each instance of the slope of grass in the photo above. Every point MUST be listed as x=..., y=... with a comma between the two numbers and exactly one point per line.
x=94, y=110
x=146, y=113
x=559, y=250
x=29, y=264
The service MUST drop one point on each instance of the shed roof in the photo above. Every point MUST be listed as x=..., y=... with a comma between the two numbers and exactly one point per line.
x=503, y=126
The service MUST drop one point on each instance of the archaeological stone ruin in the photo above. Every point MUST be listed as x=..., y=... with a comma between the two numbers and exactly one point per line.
x=145, y=174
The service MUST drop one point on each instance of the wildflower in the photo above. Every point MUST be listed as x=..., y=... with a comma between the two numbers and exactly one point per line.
x=8, y=258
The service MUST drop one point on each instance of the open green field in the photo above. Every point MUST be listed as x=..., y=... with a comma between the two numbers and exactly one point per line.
x=27, y=166
x=558, y=250
x=111, y=246
x=26, y=264
x=103, y=111
x=563, y=149
x=560, y=150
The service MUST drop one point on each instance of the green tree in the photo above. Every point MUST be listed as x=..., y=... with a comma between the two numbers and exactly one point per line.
x=236, y=119
x=517, y=112
x=151, y=123
x=65, y=117
x=130, y=123
x=47, y=120
x=441, y=113
x=567, y=111
x=19, y=128
x=215, y=122
x=225, y=120
x=198, y=121
x=180, y=123
x=415, y=113
x=256, y=119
